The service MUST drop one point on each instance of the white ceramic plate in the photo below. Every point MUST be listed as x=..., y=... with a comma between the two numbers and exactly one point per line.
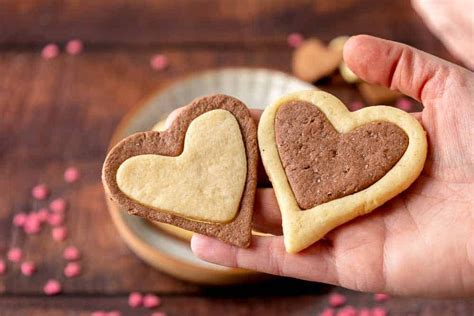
x=257, y=88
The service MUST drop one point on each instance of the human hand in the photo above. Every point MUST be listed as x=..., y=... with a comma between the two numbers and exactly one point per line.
x=422, y=241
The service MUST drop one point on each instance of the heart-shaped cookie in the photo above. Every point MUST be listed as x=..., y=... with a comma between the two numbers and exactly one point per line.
x=328, y=165
x=200, y=174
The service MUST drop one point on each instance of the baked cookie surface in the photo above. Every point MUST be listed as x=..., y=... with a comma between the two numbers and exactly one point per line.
x=199, y=174
x=328, y=165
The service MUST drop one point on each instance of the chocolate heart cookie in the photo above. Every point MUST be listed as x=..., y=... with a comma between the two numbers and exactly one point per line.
x=328, y=165
x=200, y=174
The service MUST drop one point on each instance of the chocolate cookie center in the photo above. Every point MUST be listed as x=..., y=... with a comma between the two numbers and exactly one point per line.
x=322, y=164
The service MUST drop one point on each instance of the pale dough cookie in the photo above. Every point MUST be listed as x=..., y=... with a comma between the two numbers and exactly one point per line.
x=204, y=183
x=302, y=226
x=337, y=44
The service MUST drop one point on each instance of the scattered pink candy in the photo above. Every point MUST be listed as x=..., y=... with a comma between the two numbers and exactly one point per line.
x=28, y=268
x=294, y=40
x=99, y=313
x=347, y=311
x=33, y=224
x=403, y=104
x=42, y=214
x=158, y=314
x=159, y=62
x=135, y=299
x=381, y=297
x=19, y=219
x=151, y=301
x=327, y=312
x=3, y=267
x=71, y=253
x=379, y=311
x=71, y=175
x=55, y=219
x=50, y=51
x=72, y=269
x=364, y=312
x=40, y=192
x=15, y=254
x=114, y=313
x=356, y=105
x=52, y=287
x=74, y=47
x=58, y=205
x=336, y=300
x=59, y=233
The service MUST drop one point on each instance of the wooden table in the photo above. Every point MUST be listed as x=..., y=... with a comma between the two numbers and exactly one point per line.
x=62, y=112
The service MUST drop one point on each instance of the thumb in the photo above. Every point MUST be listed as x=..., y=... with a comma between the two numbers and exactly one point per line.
x=420, y=75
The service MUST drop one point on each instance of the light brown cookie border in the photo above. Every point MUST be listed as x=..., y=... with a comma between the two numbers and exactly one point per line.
x=303, y=228
x=170, y=143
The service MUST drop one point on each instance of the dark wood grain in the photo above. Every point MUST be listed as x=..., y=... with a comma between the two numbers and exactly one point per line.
x=62, y=112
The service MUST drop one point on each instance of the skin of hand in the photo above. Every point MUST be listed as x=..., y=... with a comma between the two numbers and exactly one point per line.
x=452, y=21
x=421, y=243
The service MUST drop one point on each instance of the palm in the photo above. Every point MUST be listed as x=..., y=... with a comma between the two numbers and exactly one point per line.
x=420, y=242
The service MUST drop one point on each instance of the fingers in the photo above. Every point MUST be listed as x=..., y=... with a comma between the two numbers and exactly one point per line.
x=267, y=254
x=267, y=216
x=398, y=66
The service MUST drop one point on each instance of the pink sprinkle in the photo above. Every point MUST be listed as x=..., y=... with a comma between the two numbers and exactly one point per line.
x=71, y=253
x=59, y=233
x=403, y=104
x=294, y=40
x=347, y=311
x=99, y=313
x=28, y=268
x=55, y=219
x=327, y=312
x=52, y=287
x=74, y=47
x=381, y=297
x=364, y=312
x=114, y=313
x=135, y=299
x=151, y=301
x=72, y=269
x=379, y=311
x=40, y=192
x=42, y=214
x=50, y=51
x=19, y=219
x=33, y=224
x=159, y=62
x=336, y=300
x=71, y=174
x=15, y=254
x=58, y=205
x=158, y=314
x=3, y=267
x=356, y=105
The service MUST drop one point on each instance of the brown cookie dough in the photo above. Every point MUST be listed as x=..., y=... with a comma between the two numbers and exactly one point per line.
x=171, y=143
x=323, y=165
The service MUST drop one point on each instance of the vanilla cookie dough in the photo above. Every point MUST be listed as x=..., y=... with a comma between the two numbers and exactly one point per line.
x=199, y=174
x=328, y=165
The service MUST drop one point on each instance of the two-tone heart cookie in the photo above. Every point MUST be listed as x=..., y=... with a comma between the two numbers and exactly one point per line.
x=200, y=174
x=328, y=165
